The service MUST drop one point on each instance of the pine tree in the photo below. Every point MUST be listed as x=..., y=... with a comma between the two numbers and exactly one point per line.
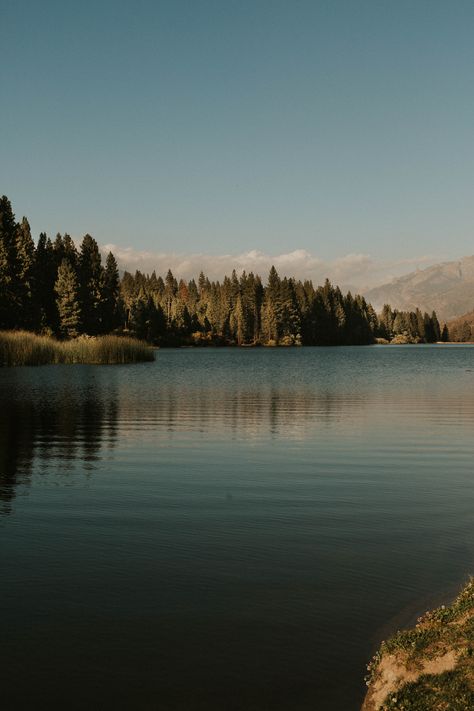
x=69, y=309
x=420, y=322
x=201, y=284
x=8, y=304
x=140, y=316
x=445, y=334
x=271, y=308
x=45, y=279
x=193, y=294
x=91, y=279
x=435, y=327
x=273, y=286
x=24, y=277
x=400, y=326
x=372, y=318
x=147, y=320
x=289, y=316
x=110, y=295
x=171, y=288
x=181, y=323
x=183, y=292
x=212, y=309
x=269, y=327
x=343, y=312
x=429, y=330
x=385, y=328
x=70, y=251
x=237, y=322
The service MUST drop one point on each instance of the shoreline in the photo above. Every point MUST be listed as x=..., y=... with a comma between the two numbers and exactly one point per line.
x=25, y=348
x=428, y=665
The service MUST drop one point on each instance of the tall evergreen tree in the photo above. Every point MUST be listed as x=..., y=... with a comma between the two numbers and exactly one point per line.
x=435, y=327
x=45, y=279
x=430, y=335
x=69, y=309
x=110, y=295
x=289, y=316
x=8, y=271
x=238, y=326
x=25, y=277
x=91, y=279
x=271, y=308
x=170, y=290
x=269, y=321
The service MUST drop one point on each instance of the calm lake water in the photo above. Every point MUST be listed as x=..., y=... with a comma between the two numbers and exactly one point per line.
x=227, y=529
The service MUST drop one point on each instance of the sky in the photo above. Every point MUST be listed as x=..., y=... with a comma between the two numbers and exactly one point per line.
x=332, y=135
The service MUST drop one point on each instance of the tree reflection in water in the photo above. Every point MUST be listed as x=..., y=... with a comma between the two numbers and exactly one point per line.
x=69, y=426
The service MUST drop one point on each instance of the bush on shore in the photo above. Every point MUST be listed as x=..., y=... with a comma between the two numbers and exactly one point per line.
x=25, y=348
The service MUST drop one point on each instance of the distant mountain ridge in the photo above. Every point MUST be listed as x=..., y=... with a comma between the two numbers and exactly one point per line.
x=447, y=288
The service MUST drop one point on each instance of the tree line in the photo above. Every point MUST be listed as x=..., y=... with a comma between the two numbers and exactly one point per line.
x=413, y=325
x=55, y=287
x=462, y=329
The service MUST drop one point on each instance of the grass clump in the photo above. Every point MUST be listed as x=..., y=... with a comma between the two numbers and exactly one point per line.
x=25, y=348
x=412, y=642
x=450, y=690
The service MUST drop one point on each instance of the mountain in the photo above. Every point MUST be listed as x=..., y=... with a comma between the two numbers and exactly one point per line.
x=448, y=288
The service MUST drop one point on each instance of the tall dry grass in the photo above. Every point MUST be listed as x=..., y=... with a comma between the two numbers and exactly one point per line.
x=25, y=348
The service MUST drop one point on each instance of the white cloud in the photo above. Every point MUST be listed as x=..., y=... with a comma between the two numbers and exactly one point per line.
x=350, y=271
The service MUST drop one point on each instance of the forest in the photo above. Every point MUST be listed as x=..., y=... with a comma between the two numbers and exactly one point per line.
x=56, y=288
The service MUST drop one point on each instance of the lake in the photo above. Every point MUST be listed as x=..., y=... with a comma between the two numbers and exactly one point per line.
x=228, y=529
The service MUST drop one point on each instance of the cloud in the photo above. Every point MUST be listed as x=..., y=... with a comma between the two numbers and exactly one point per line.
x=360, y=271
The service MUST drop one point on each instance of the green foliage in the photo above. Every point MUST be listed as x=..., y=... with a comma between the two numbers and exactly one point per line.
x=91, y=279
x=111, y=295
x=69, y=309
x=24, y=277
x=45, y=278
x=450, y=691
x=413, y=641
x=9, y=312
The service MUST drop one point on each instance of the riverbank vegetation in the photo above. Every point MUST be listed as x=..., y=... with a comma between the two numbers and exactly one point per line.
x=430, y=666
x=56, y=288
x=25, y=348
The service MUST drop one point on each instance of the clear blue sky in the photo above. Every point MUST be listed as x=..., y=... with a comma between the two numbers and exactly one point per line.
x=220, y=126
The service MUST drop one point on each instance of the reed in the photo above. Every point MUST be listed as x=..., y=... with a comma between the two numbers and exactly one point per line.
x=25, y=348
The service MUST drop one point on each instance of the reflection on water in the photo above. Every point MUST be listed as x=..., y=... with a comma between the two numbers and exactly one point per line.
x=224, y=528
x=74, y=420
x=67, y=425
